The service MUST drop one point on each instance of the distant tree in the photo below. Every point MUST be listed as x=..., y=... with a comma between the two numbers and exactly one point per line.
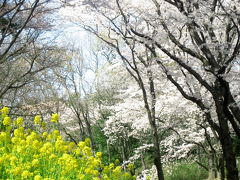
x=22, y=53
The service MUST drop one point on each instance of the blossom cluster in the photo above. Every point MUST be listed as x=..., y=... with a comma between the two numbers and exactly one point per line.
x=27, y=154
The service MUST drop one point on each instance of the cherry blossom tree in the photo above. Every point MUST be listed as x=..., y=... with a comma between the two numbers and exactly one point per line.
x=130, y=118
x=195, y=40
x=214, y=50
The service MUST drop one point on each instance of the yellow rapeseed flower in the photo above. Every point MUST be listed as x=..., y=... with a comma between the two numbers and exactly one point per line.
x=5, y=110
x=99, y=155
x=88, y=141
x=127, y=175
x=37, y=177
x=35, y=162
x=130, y=166
x=27, y=154
x=95, y=162
x=37, y=120
x=7, y=121
x=17, y=133
x=105, y=177
x=17, y=171
x=3, y=135
x=19, y=121
x=56, y=132
x=87, y=151
x=81, y=176
x=55, y=118
x=43, y=125
x=26, y=174
x=111, y=166
x=117, y=170
x=52, y=156
x=15, y=140
x=81, y=144
x=44, y=134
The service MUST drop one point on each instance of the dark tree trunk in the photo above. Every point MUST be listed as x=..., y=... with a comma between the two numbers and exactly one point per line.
x=150, y=108
x=221, y=171
x=157, y=156
x=224, y=135
x=109, y=153
x=89, y=128
x=229, y=155
x=212, y=167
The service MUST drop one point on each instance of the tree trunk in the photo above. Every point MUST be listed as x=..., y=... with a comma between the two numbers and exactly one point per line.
x=157, y=156
x=229, y=156
x=123, y=155
x=109, y=152
x=212, y=167
x=89, y=128
x=221, y=98
x=221, y=171
x=226, y=142
x=123, y=151
x=149, y=103
x=143, y=162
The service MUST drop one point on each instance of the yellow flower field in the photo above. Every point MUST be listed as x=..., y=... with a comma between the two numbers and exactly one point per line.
x=27, y=154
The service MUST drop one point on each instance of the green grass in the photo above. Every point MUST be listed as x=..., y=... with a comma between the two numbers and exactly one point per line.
x=186, y=171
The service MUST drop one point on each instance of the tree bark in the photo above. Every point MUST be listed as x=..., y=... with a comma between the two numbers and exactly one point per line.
x=221, y=170
x=224, y=135
x=212, y=167
x=229, y=155
x=88, y=126
x=157, y=156
x=109, y=153
x=143, y=162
